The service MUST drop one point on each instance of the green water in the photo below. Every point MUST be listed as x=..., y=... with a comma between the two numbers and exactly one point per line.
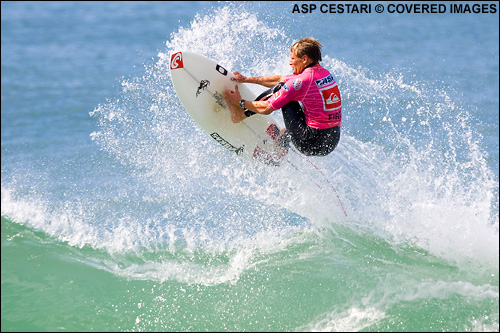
x=363, y=282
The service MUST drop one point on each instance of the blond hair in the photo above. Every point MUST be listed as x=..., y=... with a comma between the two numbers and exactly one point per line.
x=308, y=46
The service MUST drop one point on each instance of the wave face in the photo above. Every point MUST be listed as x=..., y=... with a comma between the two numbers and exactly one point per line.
x=153, y=225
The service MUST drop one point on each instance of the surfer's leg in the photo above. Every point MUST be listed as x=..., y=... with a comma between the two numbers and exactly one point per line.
x=327, y=140
x=297, y=129
x=309, y=141
x=295, y=122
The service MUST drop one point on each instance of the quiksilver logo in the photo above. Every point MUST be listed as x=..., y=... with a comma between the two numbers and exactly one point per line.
x=176, y=61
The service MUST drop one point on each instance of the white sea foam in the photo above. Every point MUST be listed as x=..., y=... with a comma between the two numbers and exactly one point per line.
x=352, y=320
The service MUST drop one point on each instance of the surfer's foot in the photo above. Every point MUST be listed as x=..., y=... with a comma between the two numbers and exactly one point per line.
x=284, y=139
x=281, y=137
x=237, y=114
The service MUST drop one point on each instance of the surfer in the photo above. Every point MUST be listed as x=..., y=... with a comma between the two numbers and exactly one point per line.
x=309, y=100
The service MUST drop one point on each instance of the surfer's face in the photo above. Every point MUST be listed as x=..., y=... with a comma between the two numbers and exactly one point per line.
x=298, y=64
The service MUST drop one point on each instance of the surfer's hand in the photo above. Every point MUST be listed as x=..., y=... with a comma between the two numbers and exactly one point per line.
x=238, y=77
x=233, y=97
x=233, y=100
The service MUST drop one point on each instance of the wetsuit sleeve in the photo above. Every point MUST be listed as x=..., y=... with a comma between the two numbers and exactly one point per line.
x=289, y=92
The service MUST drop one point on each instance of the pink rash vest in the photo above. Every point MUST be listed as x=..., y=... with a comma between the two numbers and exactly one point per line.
x=319, y=94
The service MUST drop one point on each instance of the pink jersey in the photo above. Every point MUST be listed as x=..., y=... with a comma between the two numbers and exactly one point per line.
x=319, y=94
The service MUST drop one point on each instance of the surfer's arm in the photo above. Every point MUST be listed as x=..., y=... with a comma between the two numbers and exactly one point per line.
x=233, y=98
x=266, y=81
x=261, y=107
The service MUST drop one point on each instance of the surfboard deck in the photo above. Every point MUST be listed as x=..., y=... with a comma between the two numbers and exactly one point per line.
x=200, y=84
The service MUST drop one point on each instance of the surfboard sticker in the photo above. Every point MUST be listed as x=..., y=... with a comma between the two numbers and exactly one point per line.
x=176, y=61
x=203, y=85
x=221, y=70
x=226, y=144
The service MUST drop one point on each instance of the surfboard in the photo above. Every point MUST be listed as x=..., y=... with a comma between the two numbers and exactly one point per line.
x=200, y=84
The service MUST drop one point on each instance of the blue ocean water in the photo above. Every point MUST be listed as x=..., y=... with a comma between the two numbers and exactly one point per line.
x=119, y=213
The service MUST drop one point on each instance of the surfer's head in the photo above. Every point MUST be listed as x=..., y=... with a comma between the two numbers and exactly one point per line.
x=308, y=46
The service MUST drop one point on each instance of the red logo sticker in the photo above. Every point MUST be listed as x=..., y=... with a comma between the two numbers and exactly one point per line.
x=331, y=98
x=176, y=61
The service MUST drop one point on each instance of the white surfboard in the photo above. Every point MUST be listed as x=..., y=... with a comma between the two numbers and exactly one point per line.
x=200, y=84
